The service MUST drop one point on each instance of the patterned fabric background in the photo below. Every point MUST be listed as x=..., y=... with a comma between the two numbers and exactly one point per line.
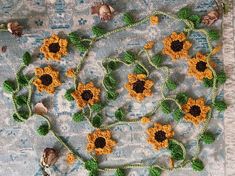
x=21, y=148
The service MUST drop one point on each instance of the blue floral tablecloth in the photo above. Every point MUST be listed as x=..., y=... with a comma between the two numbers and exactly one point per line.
x=21, y=148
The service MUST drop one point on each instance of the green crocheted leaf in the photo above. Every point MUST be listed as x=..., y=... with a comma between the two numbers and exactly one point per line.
x=94, y=173
x=97, y=107
x=197, y=165
x=8, y=86
x=27, y=58
x=177, y=115
x=170, y=84
x=139, y=70
x=207, y=138
x=74, y=37
x=157, y=60
x=98, y=31
x=128, y=18
x=109, y=82
x=213, y=34
x=155, y=171
x=176, y=151
x=111, y=95
x=21, y=100
x=91, y=165
x=129, y=57
x=97, y=120
x=184, y=13
x=23, y=80
x=68, y=95
x=119, y=172
x=208, y=82
x=43, y=130
x=16, y=118
x=182, y=97
x=81, y=46
x=165, y=106
x=78, y=117
x=220, y=105
x=196, y=19
x=120, y=114
x=111, y=66
x=221, y=77
x=23, y=114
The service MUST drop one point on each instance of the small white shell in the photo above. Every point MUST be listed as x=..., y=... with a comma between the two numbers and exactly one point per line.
x=40, y=109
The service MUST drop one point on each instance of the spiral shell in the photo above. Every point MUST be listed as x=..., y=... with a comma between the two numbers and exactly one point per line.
x=210, y=18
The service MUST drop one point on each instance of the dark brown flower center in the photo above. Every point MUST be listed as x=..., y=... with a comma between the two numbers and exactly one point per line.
x=177, y=45
x=201, y=66
x=46, y=79
x=160, y=136
x=87, y=95
x=195, y=110
x=54, y=47
x=138, y=86
x=100, y=142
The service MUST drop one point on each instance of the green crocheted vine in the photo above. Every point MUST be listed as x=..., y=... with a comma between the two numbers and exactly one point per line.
x=176, y=106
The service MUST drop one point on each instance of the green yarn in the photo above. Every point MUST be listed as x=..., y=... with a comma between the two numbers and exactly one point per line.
x=111, y=66
x=155, y=171
x=74, y=37
x=68, y=95
x=197, y=165
x=170, y=84
x=182, y=97
x=221, y=77
x=157, y=60
x=120, y=114
x=128, y=18
x=23, y=80
x=98, y=31
x=213, y=34
x=8, y=86
x=139, y=69
x=119, y=172
x=165, y=106
x=177, y=115
x=78, y=117
x=97, y=120
x=207, y=138
x=91, y=165
x=81, y=46
x=94, y=173
x=196, y=19
x=111, y=95
x=208, y=82
x=129, y=57
x=176, y=151
x=109, y=82
x=184, y=13
x=43, y=130
x=76, y=41
x=16, y=118
x=220, y=105
x=27, y=58
x=97, y=107
x=21, y=100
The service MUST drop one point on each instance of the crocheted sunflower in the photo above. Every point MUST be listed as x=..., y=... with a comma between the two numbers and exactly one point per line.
x=159, y=135
x=54, y=47
x=195, y=110
x=176, y=46
x=47, y=79
x=100, y=142
x=138, y=86
x=86, y=94
x=198, y=67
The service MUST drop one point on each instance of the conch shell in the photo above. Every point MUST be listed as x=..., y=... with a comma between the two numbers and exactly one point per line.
x=49, y=157
x=103, y=10
x=210, y=18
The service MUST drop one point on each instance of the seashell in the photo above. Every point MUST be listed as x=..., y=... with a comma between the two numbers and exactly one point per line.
x=210, y=18
x=103, y=10
x=15, y=28
x=49, y=157
x=40, y=109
